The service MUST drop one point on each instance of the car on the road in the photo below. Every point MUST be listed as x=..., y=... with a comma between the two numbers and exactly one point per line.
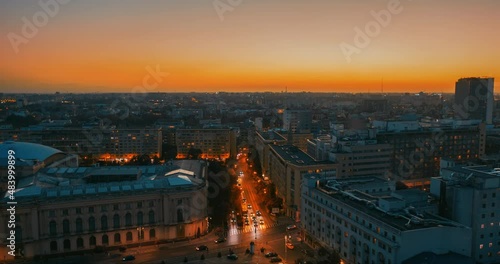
x=201, y=248
x=309, y=253
x=291, y=227
x=275, y=259
x=249, y=206
x=246, y=222
x=290, y=245
x=271, y=254
x=258, y=213
x=128, y=258
x=232, y=256
x=261, y=221
x=220, y=240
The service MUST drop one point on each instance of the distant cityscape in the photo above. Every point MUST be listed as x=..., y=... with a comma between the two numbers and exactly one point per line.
x=251, y=177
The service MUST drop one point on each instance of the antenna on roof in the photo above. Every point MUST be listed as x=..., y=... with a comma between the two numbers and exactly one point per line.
x=382, y=85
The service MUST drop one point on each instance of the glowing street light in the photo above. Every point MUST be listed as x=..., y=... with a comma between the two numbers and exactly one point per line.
x=286, y=237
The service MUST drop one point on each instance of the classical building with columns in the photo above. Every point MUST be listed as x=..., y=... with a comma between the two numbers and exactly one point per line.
x=67, y=209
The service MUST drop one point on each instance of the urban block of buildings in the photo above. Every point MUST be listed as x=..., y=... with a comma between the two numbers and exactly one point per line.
x=367, y=221
x=68, y=208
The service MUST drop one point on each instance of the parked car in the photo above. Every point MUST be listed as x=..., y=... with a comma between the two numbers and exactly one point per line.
x=220, y=240
x=201, y=248
x=271, y=254
x=275, y=259
x=291, y=227
x=232, y=256
x=290, y=245
x=128, y=258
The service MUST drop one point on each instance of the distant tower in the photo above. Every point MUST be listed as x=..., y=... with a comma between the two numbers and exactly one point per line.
x=382, y=86
x=474, y=99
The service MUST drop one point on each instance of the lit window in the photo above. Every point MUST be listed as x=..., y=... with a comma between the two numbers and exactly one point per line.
x=481, y=246
x=482, y=226
x=490, y=244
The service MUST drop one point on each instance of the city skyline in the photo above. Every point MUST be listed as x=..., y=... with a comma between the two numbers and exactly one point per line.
x=247, y=46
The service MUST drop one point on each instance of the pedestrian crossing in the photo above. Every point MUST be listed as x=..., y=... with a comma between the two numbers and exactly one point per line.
x=250, y=228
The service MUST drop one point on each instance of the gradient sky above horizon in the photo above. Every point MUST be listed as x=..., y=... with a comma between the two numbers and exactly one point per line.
x=260, y=45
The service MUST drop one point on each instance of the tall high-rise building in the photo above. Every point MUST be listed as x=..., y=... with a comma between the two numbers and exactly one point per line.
x=474, y=99
x=297, y=121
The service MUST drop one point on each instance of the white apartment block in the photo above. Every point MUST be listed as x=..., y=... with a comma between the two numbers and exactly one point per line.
x=367, y=221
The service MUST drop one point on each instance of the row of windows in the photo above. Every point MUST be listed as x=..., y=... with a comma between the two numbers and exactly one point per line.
x=348, y=214
x=104, y=240
x=481, y=246
x=493, y=195
x=491, y=225
x=66, y=226
x=103, y=208
x=354, y=245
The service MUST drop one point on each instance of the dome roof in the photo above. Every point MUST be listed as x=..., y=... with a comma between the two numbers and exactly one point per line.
x=26, y=151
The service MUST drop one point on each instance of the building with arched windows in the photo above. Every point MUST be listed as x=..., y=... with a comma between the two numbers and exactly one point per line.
x=66, y=209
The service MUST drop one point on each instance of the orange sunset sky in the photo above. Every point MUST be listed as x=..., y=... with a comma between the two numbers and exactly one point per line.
x=255, y=45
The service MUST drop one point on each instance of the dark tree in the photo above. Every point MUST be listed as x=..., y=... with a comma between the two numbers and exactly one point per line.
x=194, y=153
x=169, y=152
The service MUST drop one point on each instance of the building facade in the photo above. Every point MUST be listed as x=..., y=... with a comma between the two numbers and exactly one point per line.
x=360, y=157
x=474, y=99
x=262, y=141
x=360, y=219
x=416, y=150
x=297, y=121
x=470, y=195
x=214, y=143
x=108, y=144
x=70, y=209
x=287, y=166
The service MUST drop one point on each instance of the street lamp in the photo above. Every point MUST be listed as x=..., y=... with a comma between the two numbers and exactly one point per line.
x=285, y=248
x=140, y=233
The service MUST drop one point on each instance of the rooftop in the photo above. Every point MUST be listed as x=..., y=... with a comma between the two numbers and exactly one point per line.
x=294, y=155
x=401, y=220
x=51, y=183
x=26, y=151
x=271, y=136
